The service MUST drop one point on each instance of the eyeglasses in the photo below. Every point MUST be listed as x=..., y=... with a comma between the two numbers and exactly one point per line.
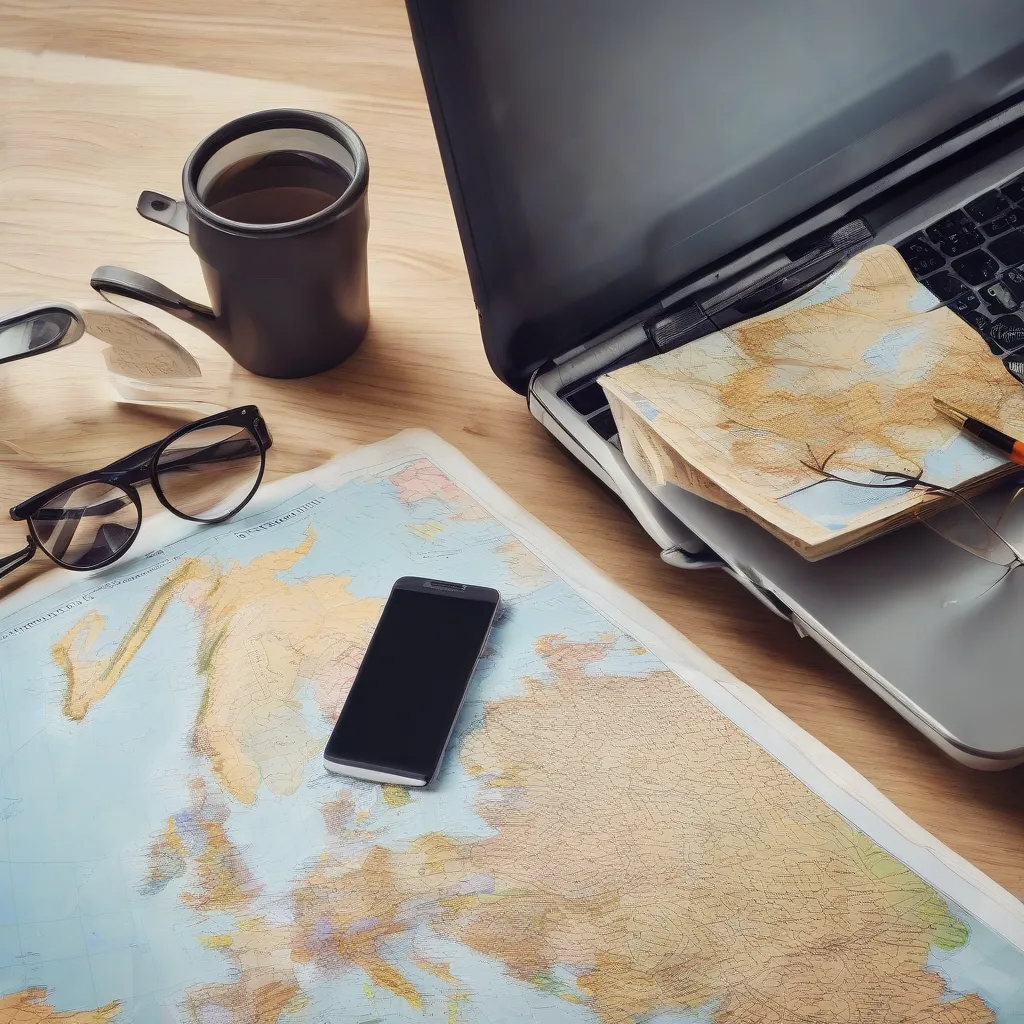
x=36, y=329
x=975, y=525
x=206, y=472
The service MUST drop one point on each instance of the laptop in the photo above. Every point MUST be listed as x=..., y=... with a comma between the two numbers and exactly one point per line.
x=629, y=175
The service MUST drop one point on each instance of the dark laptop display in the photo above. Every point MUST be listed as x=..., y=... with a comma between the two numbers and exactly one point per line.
x=601, y=151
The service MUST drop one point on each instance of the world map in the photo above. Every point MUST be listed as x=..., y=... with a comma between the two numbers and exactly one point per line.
x=605, y=842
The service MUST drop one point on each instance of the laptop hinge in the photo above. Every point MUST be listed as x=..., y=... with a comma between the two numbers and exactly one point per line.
x=679, y=327
x=765, y=288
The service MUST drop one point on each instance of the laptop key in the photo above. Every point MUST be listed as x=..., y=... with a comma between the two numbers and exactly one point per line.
x=965, y=303
x=1015, y=367
x=1008, y=249
x=976, y=267
x=920, y=256
x=985, y=207
x=1014, y=280
x=943, y=286
x=588, y=399
x=1007, y=222
x=999, y=298
x=604, y=424
x=1008, y=332
x=1014, y=190
x=955, y=234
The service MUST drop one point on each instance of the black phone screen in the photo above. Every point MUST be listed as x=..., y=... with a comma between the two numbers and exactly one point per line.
x=413, y=677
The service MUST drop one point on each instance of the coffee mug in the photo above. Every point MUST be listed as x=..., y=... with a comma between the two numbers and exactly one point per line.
x=275, y=208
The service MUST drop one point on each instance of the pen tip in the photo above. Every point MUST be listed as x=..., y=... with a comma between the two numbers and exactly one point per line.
x=946, y=407
x=950, y=411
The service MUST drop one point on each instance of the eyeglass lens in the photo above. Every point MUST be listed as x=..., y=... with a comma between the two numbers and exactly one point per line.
x=978, y=528
x=210, y=472
x=87, y=526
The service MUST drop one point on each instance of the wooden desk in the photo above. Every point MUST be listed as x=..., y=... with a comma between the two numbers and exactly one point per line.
x=103, y=100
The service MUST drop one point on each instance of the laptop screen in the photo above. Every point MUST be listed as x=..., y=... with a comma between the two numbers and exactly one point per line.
x=603, y=150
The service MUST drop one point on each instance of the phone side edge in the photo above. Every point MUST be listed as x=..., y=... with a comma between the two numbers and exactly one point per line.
x=373, y=774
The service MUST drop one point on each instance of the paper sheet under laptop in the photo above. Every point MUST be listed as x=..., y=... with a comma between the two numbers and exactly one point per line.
x=844, y=377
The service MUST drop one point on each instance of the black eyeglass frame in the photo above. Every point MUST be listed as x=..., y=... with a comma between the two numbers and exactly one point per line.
x=127, y=473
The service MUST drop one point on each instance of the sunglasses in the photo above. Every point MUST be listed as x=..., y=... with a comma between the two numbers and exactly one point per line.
x=36, y=329
x=206, y=471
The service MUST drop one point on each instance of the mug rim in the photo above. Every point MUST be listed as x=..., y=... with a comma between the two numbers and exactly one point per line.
x=264, y=120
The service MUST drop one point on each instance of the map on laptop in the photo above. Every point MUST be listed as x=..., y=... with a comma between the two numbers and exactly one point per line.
x=842, y=378
x=620, y=831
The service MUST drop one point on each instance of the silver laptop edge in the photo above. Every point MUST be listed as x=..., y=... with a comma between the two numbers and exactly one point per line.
x=692, y=533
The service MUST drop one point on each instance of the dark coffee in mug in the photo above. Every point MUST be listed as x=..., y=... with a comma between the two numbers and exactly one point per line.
x=275, y=188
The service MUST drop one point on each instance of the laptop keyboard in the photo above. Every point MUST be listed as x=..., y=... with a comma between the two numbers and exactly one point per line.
x=971, y=259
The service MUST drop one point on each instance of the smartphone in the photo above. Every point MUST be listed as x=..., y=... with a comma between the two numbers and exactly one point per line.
x=411, y=683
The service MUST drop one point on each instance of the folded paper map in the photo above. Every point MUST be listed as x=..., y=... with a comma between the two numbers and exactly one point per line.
x=842, y=378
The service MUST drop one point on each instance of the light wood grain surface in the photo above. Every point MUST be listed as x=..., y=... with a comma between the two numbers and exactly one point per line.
x=103, y=98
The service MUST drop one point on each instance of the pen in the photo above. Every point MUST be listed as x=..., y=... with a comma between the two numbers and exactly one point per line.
x=995, y=438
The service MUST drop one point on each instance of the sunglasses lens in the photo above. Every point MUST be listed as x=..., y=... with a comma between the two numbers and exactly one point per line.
x=88, y=526
x=209, y=473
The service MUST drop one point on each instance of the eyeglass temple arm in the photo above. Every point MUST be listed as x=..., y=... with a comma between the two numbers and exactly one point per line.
x=102, y=508
x=137, y=464
x=16, y=561
x=139, y=459
x=231, y=448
